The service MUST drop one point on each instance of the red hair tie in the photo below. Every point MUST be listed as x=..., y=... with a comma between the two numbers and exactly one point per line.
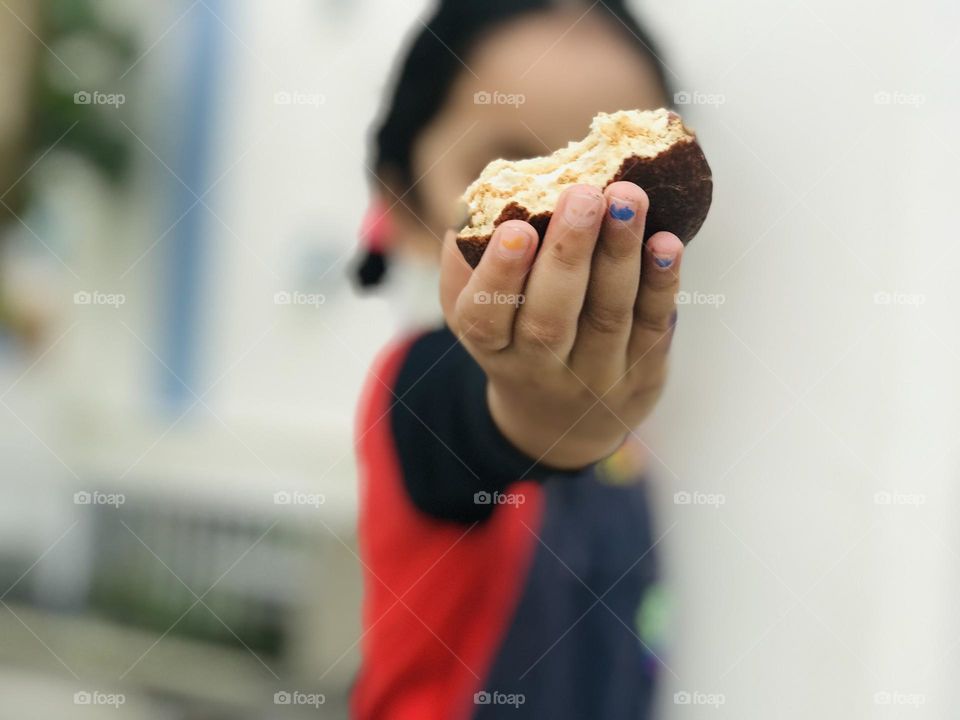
x=376, y=232
x=375, y=227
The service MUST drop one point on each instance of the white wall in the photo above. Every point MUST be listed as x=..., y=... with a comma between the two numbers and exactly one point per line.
x=800, y=397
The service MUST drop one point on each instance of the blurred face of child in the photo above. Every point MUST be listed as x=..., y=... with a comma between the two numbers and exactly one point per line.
x=529, y=88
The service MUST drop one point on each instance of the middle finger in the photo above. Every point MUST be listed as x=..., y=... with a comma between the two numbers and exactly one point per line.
x=558, y=280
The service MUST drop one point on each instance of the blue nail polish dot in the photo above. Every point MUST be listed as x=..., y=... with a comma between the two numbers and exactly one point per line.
x=621, y=213
x=664, y=262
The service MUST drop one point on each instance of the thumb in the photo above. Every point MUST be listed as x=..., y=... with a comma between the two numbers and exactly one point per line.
x=454, y=274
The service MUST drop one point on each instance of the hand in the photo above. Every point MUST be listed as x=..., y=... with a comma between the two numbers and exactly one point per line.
x=582, y=358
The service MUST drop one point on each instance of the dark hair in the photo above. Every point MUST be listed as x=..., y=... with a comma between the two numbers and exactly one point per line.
x=432, y=63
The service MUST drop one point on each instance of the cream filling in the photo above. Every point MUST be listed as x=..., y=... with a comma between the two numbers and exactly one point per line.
x=536, y=183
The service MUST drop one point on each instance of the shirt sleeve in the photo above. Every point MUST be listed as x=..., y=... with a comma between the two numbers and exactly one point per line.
x=452, y=455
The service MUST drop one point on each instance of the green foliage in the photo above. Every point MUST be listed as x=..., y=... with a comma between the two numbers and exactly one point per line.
x=97, y=134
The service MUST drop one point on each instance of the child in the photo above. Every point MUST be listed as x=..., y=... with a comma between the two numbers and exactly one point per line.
x=506, y=557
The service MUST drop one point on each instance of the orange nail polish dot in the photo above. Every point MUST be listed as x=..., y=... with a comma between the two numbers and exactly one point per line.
x=515, y=242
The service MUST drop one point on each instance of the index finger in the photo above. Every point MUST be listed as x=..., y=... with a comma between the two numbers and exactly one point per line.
x=487, y=305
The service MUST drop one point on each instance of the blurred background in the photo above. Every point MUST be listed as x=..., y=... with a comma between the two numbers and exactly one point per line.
x=181, y=353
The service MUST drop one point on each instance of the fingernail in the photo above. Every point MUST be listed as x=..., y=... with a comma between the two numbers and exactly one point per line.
x=673, y=320
x=624, y=210
x=582, y=209
x=664, y=261
x=512, y=244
